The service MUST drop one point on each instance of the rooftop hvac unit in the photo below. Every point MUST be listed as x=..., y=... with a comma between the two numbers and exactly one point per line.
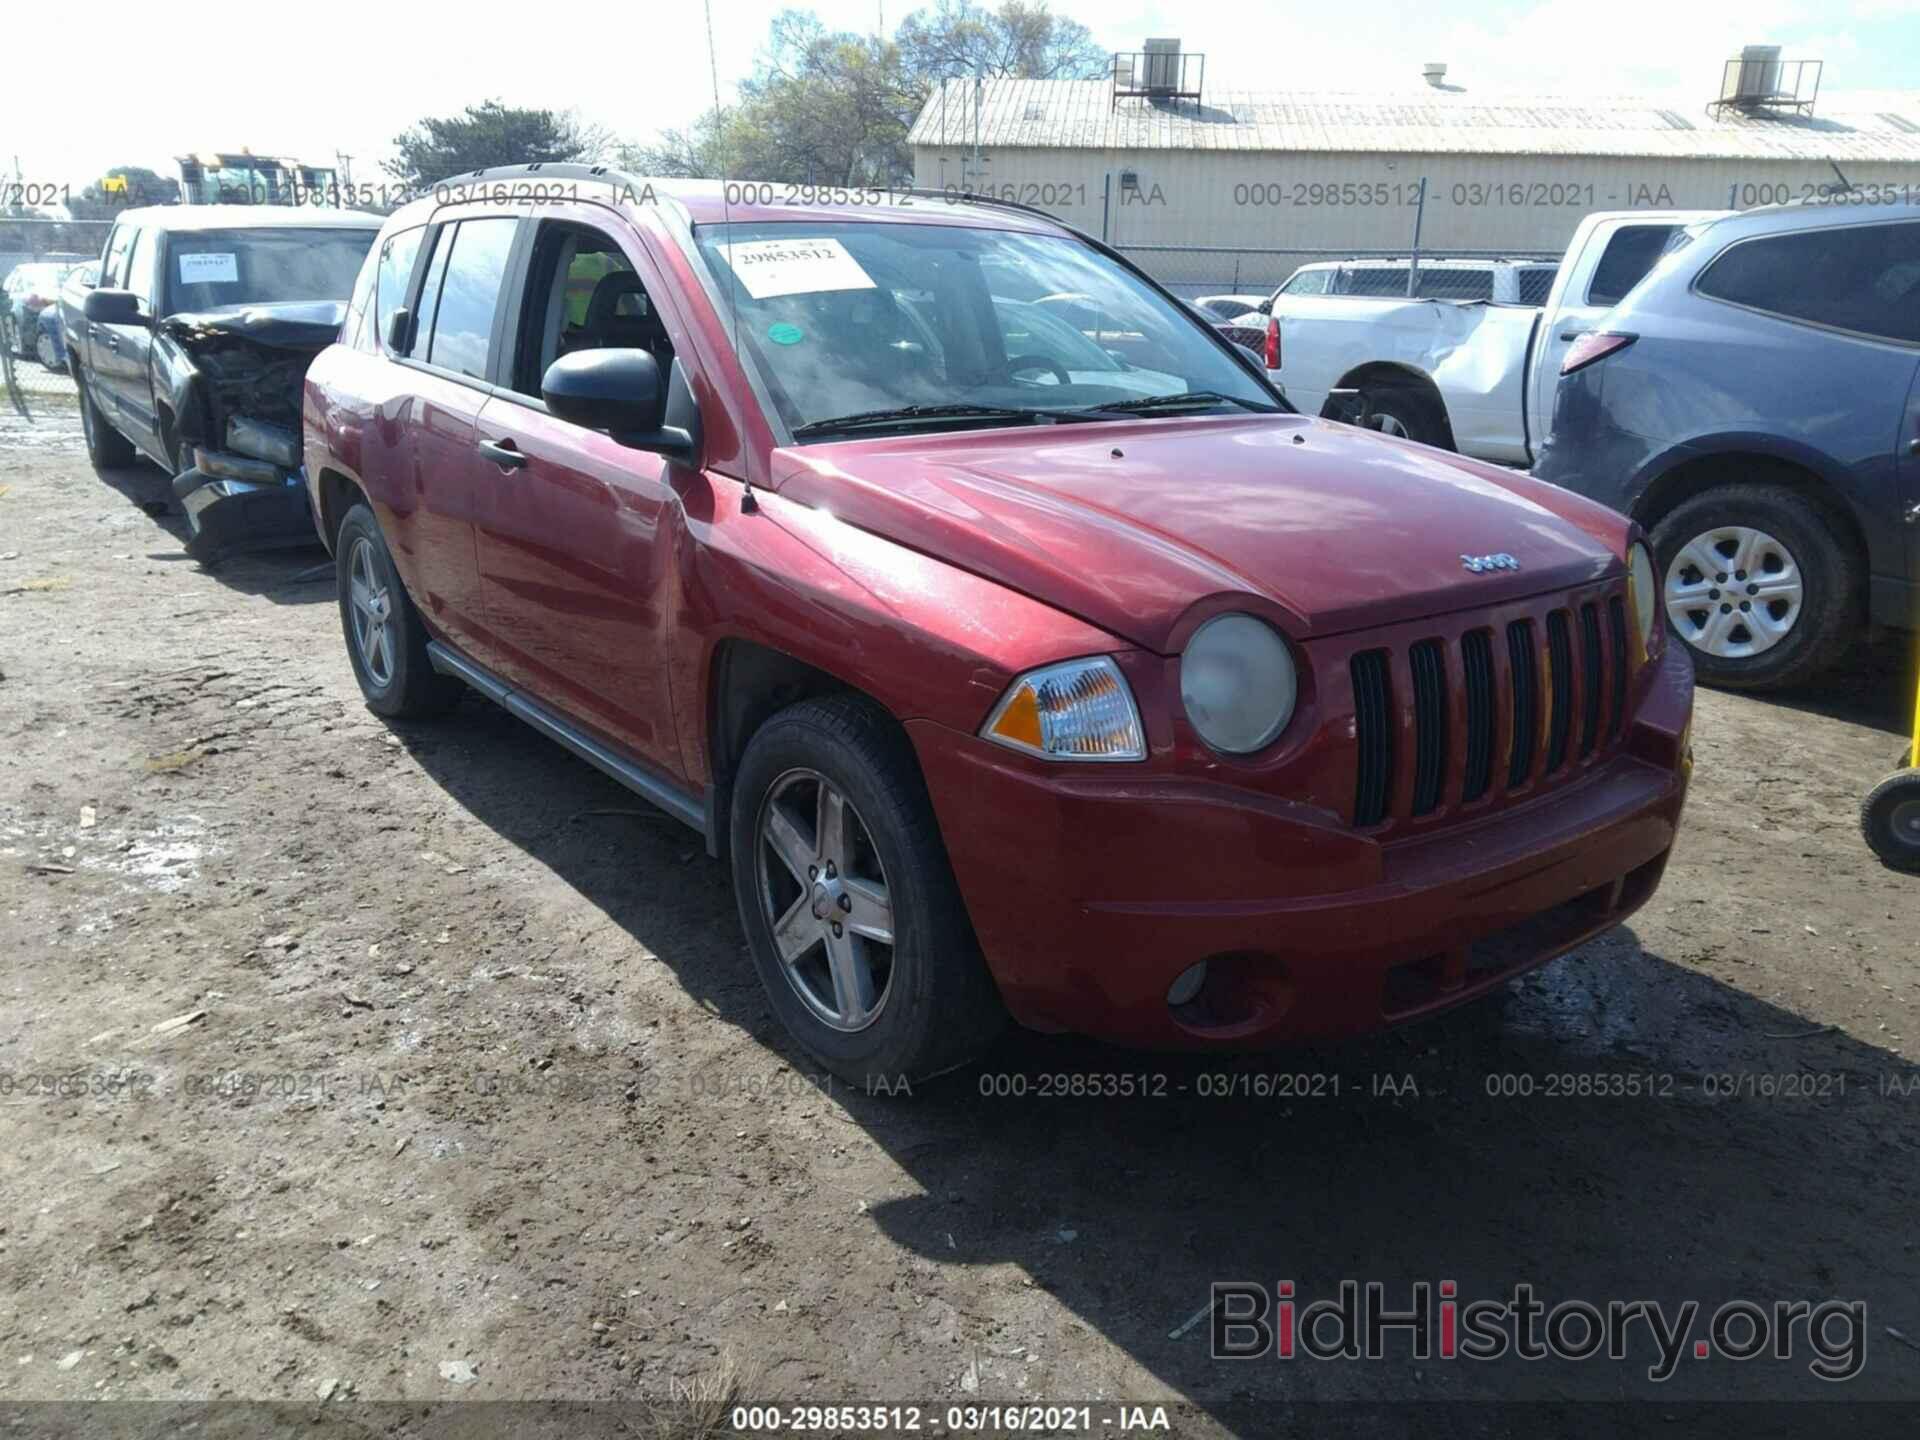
x=1162, y=67
x=1754, y=79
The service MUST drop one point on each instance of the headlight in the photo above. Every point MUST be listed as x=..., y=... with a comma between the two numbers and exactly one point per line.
x=1643, y=595
x=1076, y=710
x=1238, y=682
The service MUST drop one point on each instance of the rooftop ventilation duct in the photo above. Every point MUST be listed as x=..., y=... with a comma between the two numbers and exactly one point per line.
x=1162, y=67
x=1435, y=73
x=1754, y=78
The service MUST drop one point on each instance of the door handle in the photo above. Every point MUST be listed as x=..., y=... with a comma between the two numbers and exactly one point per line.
x=1571, y=334
x=1913, y=447
x=503, y=453
x=113, y=341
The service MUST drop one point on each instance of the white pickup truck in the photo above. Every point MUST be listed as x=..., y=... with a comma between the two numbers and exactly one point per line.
x=1475, y=376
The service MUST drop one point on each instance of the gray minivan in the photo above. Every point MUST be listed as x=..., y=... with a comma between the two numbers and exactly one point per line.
x=1755, y=403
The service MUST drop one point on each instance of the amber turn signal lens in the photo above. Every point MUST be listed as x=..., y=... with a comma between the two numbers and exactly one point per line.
x=1077, y=710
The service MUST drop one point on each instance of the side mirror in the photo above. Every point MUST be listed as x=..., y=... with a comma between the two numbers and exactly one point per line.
x=398, y=324
x=621, y=392
x=1265, y=307
x=114, y=307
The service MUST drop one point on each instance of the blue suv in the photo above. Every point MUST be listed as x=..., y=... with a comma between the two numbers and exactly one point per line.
x=1755, y=403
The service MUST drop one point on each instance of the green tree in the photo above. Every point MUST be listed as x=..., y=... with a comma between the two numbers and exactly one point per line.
x=142, y=187
x=1020, y=39
x=834, y=108
x=488, y=134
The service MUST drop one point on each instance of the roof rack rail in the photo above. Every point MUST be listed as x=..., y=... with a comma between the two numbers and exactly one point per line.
x=546, y=169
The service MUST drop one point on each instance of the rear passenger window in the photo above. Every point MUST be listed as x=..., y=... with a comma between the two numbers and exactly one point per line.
x=1629, y=255
x=1864, y=278
x=463, y=321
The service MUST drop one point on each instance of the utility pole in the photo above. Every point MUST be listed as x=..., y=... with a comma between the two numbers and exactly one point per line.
x=979, y=86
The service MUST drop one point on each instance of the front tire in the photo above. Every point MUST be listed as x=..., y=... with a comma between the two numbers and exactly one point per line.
x=107, y=448
x=386, y=639
x=849, y=904
x=1756, y=583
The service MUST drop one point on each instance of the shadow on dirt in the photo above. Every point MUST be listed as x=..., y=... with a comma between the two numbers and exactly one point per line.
x=301, y=575
x=1873, y=686
x=1614, y=1126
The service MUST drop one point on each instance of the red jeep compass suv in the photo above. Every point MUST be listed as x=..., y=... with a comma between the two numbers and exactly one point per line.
x=992, y=617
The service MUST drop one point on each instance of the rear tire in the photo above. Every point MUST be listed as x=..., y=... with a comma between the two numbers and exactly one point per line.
x=1806, y=578
x=1404, y=411
x=919, y=1003
x=386, y=639
x=1890, y=820
x=107, y=448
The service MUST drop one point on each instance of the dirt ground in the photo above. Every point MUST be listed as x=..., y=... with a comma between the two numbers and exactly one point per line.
x=520, y=1124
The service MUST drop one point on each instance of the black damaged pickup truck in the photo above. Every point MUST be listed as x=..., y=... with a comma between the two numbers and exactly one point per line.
x=192, y=349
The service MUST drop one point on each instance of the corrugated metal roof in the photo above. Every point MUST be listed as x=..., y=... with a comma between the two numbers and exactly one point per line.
x=1082, y=115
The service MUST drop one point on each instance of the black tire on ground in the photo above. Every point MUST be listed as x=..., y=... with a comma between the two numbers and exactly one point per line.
x=43, y=351
x=400, y=681
x=1829, y=621
x=1890, y=820
x=1404, y=410
x=107, y=448
x=938, y=1006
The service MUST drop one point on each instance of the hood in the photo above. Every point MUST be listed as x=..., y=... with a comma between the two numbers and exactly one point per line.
x=1131, y=525
x=292, y=325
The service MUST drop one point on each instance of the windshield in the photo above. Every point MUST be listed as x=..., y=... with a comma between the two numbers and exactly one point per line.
x=210, y=268
x=848, y=319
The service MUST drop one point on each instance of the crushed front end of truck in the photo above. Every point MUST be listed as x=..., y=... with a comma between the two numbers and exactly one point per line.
x=233, y=380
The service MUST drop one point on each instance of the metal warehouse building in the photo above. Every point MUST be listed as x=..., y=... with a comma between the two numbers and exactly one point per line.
x=1152, y=157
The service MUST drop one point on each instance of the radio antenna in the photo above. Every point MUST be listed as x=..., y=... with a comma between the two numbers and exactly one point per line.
x=726, y=201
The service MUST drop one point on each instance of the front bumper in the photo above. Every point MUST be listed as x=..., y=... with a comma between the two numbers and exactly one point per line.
x=1092, y=894
x=229, y=516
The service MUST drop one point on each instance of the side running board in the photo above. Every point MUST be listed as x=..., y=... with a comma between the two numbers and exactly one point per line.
x=644, y=783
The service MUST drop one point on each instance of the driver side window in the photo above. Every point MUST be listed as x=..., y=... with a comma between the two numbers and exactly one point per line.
x=583, y=293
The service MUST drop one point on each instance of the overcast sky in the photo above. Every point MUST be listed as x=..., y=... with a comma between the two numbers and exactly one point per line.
x=350, y=75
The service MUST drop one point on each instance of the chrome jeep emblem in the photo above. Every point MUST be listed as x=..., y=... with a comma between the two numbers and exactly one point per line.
x=1480, y=564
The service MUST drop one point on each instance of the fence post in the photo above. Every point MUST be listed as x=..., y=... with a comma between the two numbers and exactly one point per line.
x=1413, y=260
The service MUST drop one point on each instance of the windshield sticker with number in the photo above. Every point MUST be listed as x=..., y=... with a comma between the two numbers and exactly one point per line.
x=770, y=268
x=205, y=269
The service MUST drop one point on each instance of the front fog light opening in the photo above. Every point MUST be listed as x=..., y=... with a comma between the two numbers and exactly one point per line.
x=1187, y=987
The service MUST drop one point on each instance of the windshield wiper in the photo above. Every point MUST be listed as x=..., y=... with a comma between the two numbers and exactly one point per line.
x=1148, y=403
x=907, y=414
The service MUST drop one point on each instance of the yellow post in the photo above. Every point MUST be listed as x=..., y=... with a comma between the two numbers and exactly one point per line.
x=1913, y=755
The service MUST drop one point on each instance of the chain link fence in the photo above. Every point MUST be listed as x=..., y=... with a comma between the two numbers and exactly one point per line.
x=37, y=259
x=1510, y=277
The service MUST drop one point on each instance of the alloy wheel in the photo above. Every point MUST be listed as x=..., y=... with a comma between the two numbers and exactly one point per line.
x=1734, y=592
x=1389, y=425
x=372, y=605
x=824, y=895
